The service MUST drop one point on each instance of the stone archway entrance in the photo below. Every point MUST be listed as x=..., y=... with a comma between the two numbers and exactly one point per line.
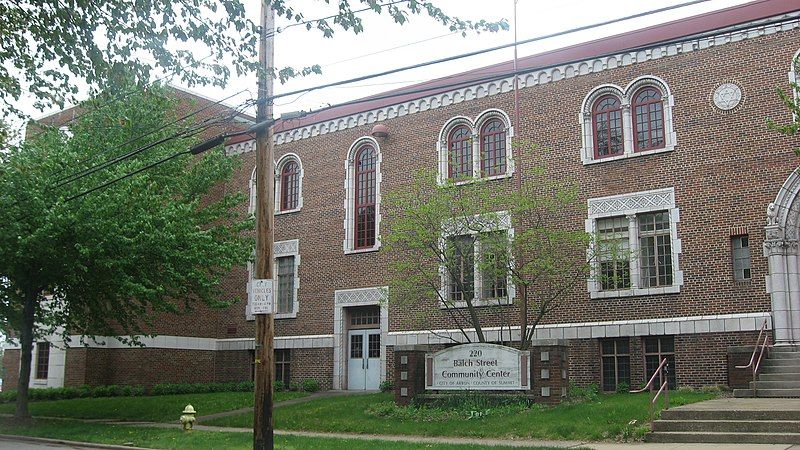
x=781, y=247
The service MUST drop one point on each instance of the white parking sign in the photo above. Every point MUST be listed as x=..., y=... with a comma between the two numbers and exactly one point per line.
x=261, y=297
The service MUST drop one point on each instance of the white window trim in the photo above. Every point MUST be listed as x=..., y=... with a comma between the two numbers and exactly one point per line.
x=279, y=185
x=631, y=205
x=281, y=248
x=442, y=149
x=503, y=223
x=793, y=77
x=251, y=207
x=348, y=243
x=626, y=97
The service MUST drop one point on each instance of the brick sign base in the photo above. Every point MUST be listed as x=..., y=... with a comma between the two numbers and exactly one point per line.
x=549, y=373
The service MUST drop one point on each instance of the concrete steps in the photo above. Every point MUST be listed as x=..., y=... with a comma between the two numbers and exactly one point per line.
x=772, y=417
x=723, y=438
x=744, y=421
x=777, y=384
x=779, y=376
x=767, y=393
x=728, y=426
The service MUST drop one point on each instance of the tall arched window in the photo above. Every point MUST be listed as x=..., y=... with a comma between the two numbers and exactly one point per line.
x=648, y=110
x=290, y=186
x=607, y=121
x=493, y=148
x=365, y=181
x=460, y=154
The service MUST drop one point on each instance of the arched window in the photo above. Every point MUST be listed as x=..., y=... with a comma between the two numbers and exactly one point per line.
x=648, y=113
x=460, y=153
x=493, y=148
x=365, y=182
x=607, y=121
x=290, y=186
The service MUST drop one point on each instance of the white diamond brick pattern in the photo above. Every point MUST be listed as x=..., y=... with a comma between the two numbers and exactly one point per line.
x=286, y=247
x=359, y=296
x=533, y=78
x=642, y=201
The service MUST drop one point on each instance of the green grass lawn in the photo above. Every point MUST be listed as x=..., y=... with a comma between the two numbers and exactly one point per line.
x=198, y=440
x=607, y=417
x=158, y=408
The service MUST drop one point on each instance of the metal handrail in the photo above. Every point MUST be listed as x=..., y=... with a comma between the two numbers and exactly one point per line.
x=661, y=370
x=759, y=348
x=650, y=382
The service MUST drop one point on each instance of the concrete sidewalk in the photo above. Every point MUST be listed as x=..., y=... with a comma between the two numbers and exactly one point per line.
x=512, y=443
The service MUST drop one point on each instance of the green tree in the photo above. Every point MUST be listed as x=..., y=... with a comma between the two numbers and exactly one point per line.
x=46, y=45
x=792, y=101
x=444, y=235
x=105, y=263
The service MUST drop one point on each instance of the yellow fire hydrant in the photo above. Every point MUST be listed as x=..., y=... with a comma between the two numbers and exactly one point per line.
x=188, y=418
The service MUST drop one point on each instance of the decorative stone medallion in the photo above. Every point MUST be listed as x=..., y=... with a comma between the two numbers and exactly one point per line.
x=727, y=96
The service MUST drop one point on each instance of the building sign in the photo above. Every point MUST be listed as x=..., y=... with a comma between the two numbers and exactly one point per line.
x=261, y=297
x=488, y=367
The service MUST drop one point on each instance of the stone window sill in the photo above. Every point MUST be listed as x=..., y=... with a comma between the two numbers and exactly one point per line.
x=587, y=162
x=636, y=292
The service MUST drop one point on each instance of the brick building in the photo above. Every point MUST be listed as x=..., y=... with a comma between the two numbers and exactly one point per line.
x=664, y=128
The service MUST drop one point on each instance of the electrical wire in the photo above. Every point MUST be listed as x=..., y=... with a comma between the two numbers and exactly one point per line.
x=490, y=49
x=117, y=97
x=95, y=168
x=309, y=21
x=505, y=74
x=191, y=131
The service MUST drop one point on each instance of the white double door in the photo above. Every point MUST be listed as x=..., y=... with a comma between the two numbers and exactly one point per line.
x=364, y=359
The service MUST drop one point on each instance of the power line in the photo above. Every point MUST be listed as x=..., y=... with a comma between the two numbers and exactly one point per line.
x=388, y=49
x=128, y=175
x=220, y=119
x=188, y=132
x=81, y=173
x=505, y=74
x=309, y=21
x=192, y=131
x=117, y=97
x=491, y=49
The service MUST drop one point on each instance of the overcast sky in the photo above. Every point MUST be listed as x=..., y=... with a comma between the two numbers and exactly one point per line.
x=385, y=45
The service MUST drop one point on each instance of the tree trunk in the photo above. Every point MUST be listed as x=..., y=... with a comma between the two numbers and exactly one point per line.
x=26, y=355
x=476, y=322
x=523, y=318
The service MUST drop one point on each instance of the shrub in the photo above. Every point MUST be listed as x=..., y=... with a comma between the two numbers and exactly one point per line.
x=386, y=386
x=75, y=392
x=246, y=386
x=589, y=393
x=294, y=386
x=714, y=389
x=623, y=388
x=201, y=388
x=310, y=385
x=471, y=406
x=279, y=386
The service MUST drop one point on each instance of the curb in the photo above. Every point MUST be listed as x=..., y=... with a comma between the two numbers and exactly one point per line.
x=16, y=437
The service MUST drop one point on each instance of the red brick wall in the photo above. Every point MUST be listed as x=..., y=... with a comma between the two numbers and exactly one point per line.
x=316, y=363
x=10, y=369
x=233, y=365
x=725, y=169
x=722, y=163
x=148, y=366
x=75, y=367
x=700, y=359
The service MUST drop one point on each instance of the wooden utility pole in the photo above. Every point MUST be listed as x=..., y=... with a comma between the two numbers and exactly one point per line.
x=264, y=423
